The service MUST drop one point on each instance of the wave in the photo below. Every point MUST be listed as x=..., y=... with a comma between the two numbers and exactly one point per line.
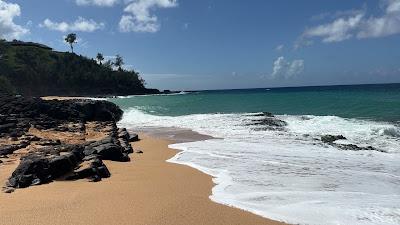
x=289, y=174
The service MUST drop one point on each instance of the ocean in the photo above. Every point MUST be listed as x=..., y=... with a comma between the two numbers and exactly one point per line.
x=286, y=172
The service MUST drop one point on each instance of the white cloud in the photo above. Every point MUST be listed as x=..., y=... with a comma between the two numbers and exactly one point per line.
x=81, y=24
x=279, y=48
x=139, y=17
x=103, y=3
x=8, y=29
x=386, y=25
x=287, y=69
x=339, y=30
x=358, y=25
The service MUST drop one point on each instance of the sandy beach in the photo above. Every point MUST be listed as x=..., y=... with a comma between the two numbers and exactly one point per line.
x=146, y=190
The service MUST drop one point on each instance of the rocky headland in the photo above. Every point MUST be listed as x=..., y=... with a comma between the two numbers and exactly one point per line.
x=59, y=140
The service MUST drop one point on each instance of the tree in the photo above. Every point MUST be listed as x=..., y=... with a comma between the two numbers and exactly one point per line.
x=108, y=64
x=6, y=86
x=71, y=39
x=100, y=58
x=119, y=62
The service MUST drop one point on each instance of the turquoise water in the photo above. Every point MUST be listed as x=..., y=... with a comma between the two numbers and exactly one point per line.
x=289, y=174
x=375, y=102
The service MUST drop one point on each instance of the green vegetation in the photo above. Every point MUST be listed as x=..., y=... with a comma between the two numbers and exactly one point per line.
x=37, y=70
x=119, y=62
x=71, y=39
x=100, y=58
x=5, y=85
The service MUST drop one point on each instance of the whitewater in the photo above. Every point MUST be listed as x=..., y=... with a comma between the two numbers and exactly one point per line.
x=289, y=174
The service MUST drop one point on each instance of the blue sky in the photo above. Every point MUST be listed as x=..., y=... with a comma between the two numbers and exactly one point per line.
x=220, y=44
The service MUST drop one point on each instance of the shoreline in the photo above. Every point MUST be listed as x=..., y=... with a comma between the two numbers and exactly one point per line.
x=147, y=190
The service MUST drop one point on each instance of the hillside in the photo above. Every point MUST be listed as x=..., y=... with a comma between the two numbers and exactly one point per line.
x=36, y=70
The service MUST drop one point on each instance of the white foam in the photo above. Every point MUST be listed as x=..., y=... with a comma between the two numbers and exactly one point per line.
x=290, y=175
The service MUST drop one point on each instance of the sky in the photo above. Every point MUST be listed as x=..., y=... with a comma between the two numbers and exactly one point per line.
x=223, y=44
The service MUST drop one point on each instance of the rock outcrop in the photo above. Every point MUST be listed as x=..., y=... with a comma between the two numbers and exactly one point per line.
x=266, y=121
x=60, y=139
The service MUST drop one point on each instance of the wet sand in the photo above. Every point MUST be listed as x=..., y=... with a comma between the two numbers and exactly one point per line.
x=145, y=191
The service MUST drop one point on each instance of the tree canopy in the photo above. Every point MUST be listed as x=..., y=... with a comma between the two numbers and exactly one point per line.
x=38, y=71
x=71, y=39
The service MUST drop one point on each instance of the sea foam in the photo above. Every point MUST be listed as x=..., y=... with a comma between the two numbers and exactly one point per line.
x=290, y=175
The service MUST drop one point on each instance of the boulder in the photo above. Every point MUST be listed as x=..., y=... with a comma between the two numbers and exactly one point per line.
x=95, y=171
x=133, y=137
x=332, y=138
x=63, y=164
x=110, y=151
x=29, y=171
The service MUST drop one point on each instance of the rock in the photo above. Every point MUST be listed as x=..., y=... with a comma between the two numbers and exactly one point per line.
x=265, y=114
x=37, y=169
x=30, y=169
x=8, y=149
x=125, y=145
x=50, y=159
x=95, y=178
x=332, y=138
x=125, y=158
x=8, y=190
x=49, y=142
x=352, y=147
x=139, y=152
x=6, y=127
x=133, y=137
x=110, y=151
x=123, y=133
x=90, y=157
x=268, y=123
x=62, y=164
x=103, y=171
x=89, y=151
x=95, y=171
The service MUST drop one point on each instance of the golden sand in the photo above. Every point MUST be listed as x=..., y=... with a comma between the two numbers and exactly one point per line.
x=145, y=191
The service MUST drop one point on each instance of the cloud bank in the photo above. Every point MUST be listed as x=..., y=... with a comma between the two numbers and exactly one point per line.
x=8, y=29
x=358, y=25
x=81, y=24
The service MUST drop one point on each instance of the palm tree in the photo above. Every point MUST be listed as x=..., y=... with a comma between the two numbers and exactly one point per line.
x=100, y=58
x=119, y=62
x=71, y=39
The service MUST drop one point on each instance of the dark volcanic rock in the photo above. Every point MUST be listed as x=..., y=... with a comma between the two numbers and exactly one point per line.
x=37, y=169
x=267, y=121
x=9, y=149
x=48, y=142
x=332, y=138
x=352, y=147
x=123, y=133
x=134, y=137
x=110, y=151
x=46, y=113
x=48, y=160
x=30, y=169
x=95, y=171
x=62, y=164
x=266, y=114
